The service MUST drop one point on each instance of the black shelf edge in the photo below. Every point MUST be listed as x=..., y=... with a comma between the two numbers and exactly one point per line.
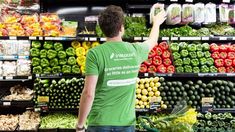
x=187, y=74
x=59, y=75
x=26, y=103
x=15, y=78
x=13, y=57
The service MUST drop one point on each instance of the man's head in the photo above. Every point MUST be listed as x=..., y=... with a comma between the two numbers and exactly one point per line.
x=111, y=21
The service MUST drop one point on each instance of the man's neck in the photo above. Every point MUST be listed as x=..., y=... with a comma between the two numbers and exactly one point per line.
x=115, y=39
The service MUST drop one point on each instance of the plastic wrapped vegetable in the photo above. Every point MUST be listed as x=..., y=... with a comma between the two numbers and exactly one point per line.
x=173, y=14
x=44, y=62
x=75, y=69
x=80, y=51
x=58, y=46
x=70, y=51
x=37, y=70
x=199, y=13
x=187, y=13
x=155, y=10
x=56, y=69
x=34, y=52
x=35, y=61
x=63, y=61
x=43, y=53
x=210, y=13
x=223, y=12
x=48, y=44
x=66, y=69
x=76, y=44
x=72, y=61
x=62, y=54
x=46, y=70
x=231, y=14
x=54, y=62
x=36, y=44
x=51, y=54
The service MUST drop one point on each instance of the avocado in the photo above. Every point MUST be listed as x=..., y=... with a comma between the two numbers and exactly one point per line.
x=207, y=91
x=164, y=98
x=197, y=86
x=192, y=97
x=182, y=88
x=172, y=102
x=222, y=88
x=174, y=98
x=172, y=89
x=161, y=88
x=227, y=89
x=192, y=88
x=213, y=91
x=209, y=85
x=163, y=83
x=198, y=97
x=161, y=79
x=225, y=82
x=223, y=92
x=190, y=82
x=169, y=84
x=186, y=86
x=174, y=93
x=163, y=94
x=219, y=82
x=217, y=89
x=230, y=84
x=166, y=88
x=179, y=83
x=168, y=93
x=190, y=102
x=202, y=95
x=169, y=98
x=184, y=94
x=174, y=83
x=199, y=82
x=214, y=82
x=190, y=92
x=203, y=85
x=201, y=90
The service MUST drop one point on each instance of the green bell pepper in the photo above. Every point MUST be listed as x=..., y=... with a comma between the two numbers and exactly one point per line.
x=193, y=54
x=70, y=51
x=200, y=54
x=183, y=45
x=207, y=54
x=58, y=46
x=46, y=70
x=210, y=61
x=199, y=47
x=62, y=54
x=36, y=44
x=195, y=62
x=44, y=62
x=186, y=61
x=184, y=53
x=205, y=69
x=75, y=69
x=205, y=47
x=63, y=61
x=51, y=54
x=192, y=47
x=48, y=45
x=196, y=69
x=203, y=61
x=176, y=55
x=179, y=62
x=35, y=61
x=174, y=47
x=213, y=69
x=208, y=115
x=72, y=61
x=56, y=69
x=37, y=70
x=43, y=53
x=54, y=62
x=188, y=68
x=66, y=69
x=34, y=52
x=179, y=69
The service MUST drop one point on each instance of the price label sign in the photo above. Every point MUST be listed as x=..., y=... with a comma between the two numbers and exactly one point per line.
x=102, y=39
x=6, y=103
x=32, y=38
x=12, y=38
x=188, y=0
x=155, y=103
x=207, y=104
x=226, y=1
x=43, y=99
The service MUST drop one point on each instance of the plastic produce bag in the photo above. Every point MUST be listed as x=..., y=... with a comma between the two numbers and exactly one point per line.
x=1, y=48
x=10, y=47
x=155, y=9
x=173, y=14
x=1, y=71
x=23, y=48
x=9, y=68
x=199, y=13
x=187, y=13
x=223, y=12
x=23, y=67
x=210, y=13
x=231, y=14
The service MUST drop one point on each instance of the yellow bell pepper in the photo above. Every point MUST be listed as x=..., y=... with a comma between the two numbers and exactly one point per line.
x=81, y=60
x=86, y=45
x=83, y=69
x=81, y=51
x=76, y=44
x=94, y=44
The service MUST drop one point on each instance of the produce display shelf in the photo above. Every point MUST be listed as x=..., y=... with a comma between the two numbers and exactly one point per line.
x=223, y=110
x=187, y=74
x=141, y=110
x=15, y=78
x=59, y=75
x=13, y=57
x=27, y=103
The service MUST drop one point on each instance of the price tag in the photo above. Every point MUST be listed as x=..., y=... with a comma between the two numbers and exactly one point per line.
x=173, y=0
x=226, y=1
x=145, y=38
x=190, y=38
x=9, y=78
x=86, y=39
x=37, y=109
x=207, y=104
x=165, y=38
x=1, y=78
x=102, y=39
x=12, y=38
x=188, y=0
x=30, y=77
x=93, y=39
x=205, y=38
x=32, y=38
x=6, y=103
x=9, y=57
x=44, y=99
x=23, y=57
x=40, y=38
x=230, y=74
x=137, y=38
x=146, y=74
x=47, y=38
x=222, y=38
x=174, y=38
x=155, y=103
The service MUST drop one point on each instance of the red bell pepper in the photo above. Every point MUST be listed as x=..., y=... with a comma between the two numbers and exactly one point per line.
x=222, y=69
x=219, y=62
x=214, y=47
x=152, y=53
x=231, y=48
x=223, y=55
x=157, y=60
x=148, y=62
x=215, y=55
x=230, y=69
x=158, y=51
x=170, y=69
x=223, y=48
x=231, y=55
x=143, y=68
x=152, y=69
x=233, y=62
x=164, y=45
x=228, y=62
x=161, y=69
x=166, y=54
x=167, y=62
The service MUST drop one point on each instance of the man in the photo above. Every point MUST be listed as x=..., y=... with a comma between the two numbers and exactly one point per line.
x=111, y=71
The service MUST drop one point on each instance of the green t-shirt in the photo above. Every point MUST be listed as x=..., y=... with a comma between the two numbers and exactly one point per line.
x=117, y=65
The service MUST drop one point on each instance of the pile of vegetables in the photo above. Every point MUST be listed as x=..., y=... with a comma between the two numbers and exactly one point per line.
x=63, y=93
x=53, y=58
x=159, y=60
x=193, y=90
x=147, y=88
x=224, y=57
x=81, y=50
x=215, y=122
x=58, y=120
x=190, y=58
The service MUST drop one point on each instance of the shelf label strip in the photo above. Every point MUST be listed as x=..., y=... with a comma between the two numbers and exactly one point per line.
x=6, y=103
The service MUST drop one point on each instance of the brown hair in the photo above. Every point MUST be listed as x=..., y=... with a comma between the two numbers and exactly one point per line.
x=111, y=20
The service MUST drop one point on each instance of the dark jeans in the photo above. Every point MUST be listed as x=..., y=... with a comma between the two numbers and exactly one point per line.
x=111, y=129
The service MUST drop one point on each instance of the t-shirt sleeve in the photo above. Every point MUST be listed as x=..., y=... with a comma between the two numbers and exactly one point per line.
x=142, y=50
x=91, y=64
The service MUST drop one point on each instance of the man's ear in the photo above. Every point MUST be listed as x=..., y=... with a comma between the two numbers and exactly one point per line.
x=122, y=30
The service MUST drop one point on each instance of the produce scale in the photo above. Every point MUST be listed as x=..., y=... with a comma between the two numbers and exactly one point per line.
x=187, y=83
